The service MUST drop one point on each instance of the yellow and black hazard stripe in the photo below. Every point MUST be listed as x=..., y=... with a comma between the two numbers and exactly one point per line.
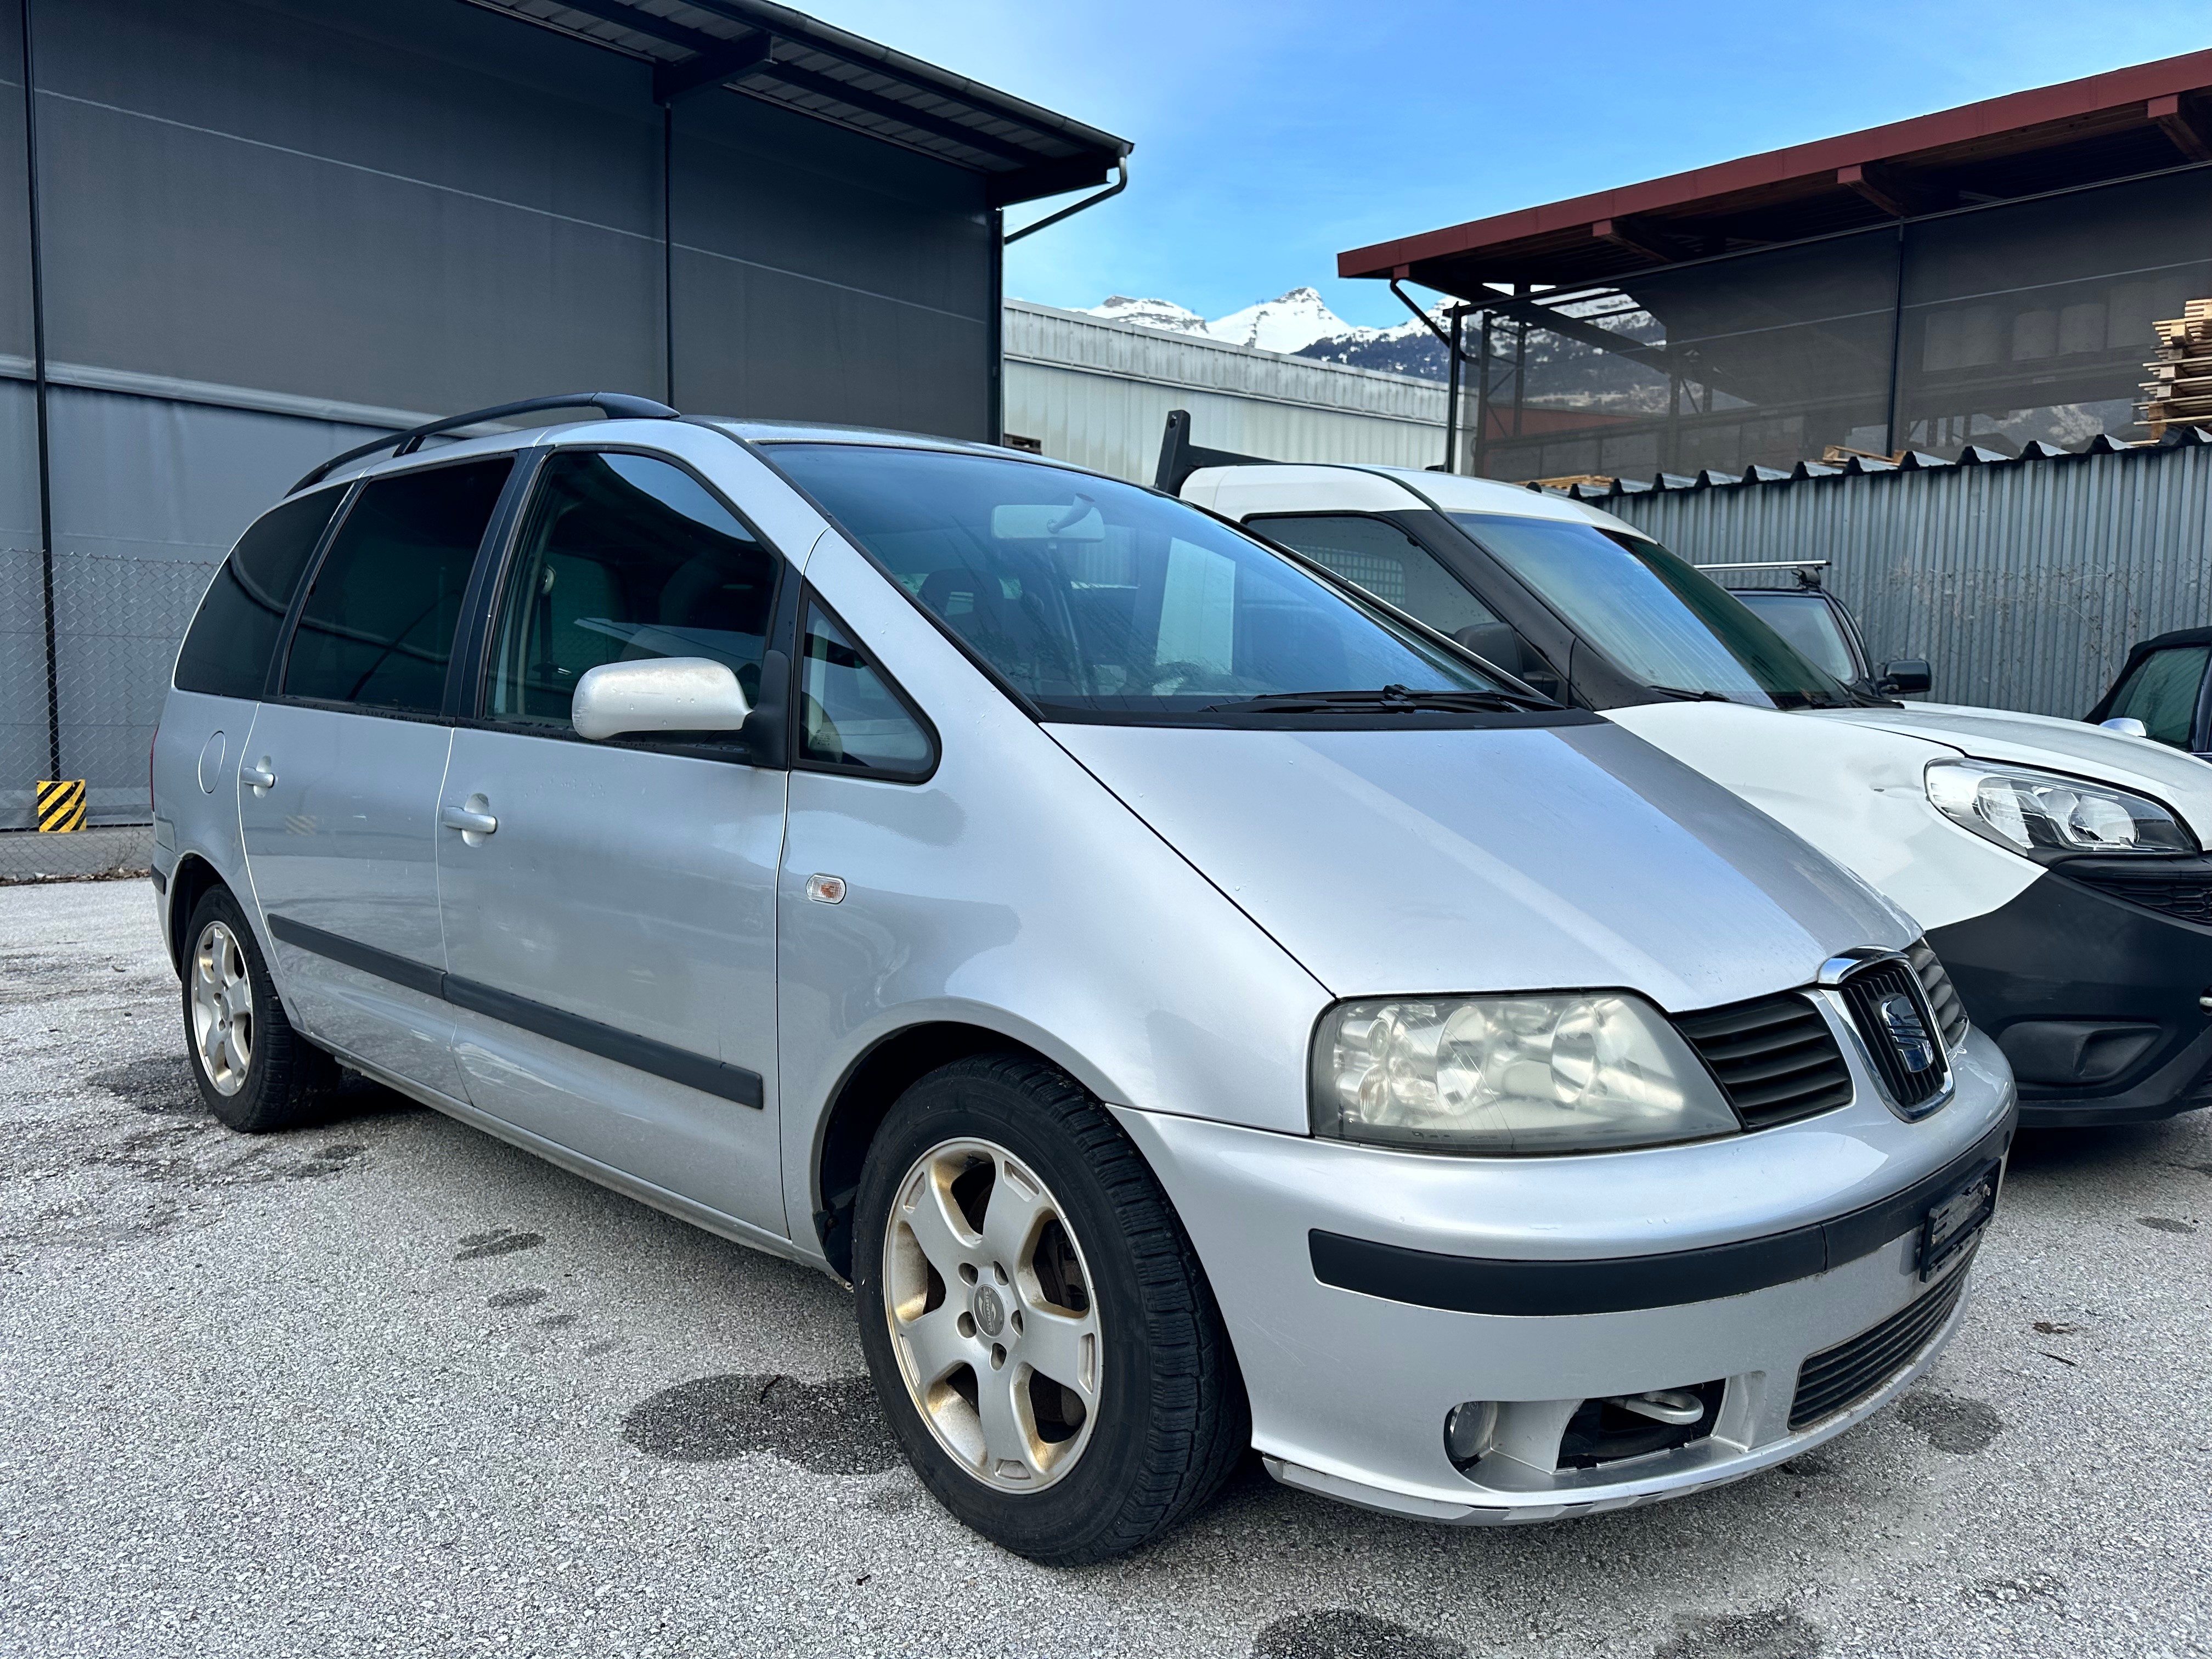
x=61, y=806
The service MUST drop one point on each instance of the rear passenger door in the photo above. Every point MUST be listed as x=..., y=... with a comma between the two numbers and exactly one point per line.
x=337, y=783
x=611, y=920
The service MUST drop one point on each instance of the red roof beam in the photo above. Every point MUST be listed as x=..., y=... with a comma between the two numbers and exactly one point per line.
x=2132, y=90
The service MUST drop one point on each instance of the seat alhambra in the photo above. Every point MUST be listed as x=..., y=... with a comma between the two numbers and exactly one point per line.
x=1195, y=1008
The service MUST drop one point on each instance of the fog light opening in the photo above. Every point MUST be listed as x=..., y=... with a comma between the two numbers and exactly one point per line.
x=1620, y=1426
x=1470, y=1430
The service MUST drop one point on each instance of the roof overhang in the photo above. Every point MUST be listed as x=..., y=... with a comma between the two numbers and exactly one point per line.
x=786, y=59
x=2132, y=121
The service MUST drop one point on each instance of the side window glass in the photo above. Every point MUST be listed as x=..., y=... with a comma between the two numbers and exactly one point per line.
x=1386, y=562
x=623, y=558
x=378, y=626
x=227, y=651
x=1394, y=566
x=851, y=717
x=2162, y=693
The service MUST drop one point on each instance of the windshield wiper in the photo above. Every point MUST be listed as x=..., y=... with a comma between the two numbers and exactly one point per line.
x=1390, y=700
x=1689, y=697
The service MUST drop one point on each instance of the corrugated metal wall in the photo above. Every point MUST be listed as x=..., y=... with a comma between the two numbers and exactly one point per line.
x=270, y=230
x=1098, y=393
x=2024, y=583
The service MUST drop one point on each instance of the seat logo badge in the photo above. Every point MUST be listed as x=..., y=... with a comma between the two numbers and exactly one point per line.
x=1906, y=1033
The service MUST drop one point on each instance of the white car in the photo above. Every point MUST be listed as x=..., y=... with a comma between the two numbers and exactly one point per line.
x=2058, y=868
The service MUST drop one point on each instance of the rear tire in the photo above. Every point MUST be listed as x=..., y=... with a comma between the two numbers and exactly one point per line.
x=1040, y=1332
x=254, y=1071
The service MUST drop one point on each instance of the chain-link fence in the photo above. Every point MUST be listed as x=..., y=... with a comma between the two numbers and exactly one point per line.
x=87, y=717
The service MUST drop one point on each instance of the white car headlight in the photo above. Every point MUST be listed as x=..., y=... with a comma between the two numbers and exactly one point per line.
x=1558, y=1072
x=2042, y=814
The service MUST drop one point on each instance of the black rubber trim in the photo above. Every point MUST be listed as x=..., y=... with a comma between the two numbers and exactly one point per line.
x=161, y=882
x=1540, y=1289
x=663, y=1060
x=400, y=970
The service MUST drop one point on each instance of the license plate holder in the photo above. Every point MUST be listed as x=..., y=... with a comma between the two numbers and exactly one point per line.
x=1955, y=1221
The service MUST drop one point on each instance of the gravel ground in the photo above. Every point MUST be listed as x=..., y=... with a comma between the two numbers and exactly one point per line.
x=390, y=1387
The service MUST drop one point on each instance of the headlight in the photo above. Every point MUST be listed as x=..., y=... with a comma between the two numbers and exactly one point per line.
x=1566, y=1071
x=2042, y=814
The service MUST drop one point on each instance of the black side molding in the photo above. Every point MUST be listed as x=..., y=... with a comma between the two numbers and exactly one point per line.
x=1539, y=1290
x=663, y=1060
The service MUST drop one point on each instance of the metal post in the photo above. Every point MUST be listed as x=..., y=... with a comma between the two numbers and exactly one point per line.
x=1891, y=443
x=1451, y=394
x=38, y=396
x=994, y=415
x=668, y=254
x=1482, y=400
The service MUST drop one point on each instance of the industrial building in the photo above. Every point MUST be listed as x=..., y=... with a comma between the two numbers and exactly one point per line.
x=1097, y=392
x=1985, y=277
x=241, y=235
x=1919, y=353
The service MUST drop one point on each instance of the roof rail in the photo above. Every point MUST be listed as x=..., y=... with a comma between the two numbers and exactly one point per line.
x=1180, y=458
x=615, y=405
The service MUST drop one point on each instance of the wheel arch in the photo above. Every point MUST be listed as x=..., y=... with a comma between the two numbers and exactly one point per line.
x=189, y=883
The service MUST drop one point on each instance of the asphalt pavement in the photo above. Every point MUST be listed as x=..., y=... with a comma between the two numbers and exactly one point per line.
x=390, y=1387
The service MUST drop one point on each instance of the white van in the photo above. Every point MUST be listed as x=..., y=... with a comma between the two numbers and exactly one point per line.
x=2059, y=869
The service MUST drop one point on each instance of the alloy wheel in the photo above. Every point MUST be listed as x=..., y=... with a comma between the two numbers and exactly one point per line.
x=991, y=1314
x=222, y=1008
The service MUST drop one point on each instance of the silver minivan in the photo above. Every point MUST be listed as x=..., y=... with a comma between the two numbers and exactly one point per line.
x=1196, y=1007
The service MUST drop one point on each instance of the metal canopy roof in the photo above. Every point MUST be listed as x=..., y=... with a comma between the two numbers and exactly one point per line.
x=785, y=57
x=2143, y=119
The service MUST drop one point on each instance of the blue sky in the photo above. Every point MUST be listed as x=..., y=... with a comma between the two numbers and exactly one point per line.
x=1270, y=137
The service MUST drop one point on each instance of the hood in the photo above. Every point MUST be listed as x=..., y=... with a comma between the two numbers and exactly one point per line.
x=1530, y=859
x=2182, y=781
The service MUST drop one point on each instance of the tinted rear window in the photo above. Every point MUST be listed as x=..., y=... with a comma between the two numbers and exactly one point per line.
x=378, y=624
x=226, y=654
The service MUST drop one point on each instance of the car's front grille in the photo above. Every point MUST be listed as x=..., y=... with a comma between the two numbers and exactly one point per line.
x=1902, y=1038
x=1942, y=996
x=2184, y=894
x=1837, y=1378
x=1776, y=1058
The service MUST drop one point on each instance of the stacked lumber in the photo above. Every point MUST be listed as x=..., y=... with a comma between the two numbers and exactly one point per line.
x=2180, y=385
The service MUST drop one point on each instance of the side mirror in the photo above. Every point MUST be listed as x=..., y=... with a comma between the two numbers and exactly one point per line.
x=1495, y=643
x=660, y=694
x=2126, y=725
x=1902, y=677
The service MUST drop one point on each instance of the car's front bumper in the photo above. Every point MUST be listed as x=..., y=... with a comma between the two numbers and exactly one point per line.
x=2095, y=999
x=1350, y=1389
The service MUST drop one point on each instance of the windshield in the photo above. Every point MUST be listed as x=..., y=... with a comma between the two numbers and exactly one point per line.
x=1656, y=618
x=1098, y=600
x=1808, y=622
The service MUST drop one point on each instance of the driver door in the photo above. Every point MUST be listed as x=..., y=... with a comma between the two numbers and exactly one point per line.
x=610, y=908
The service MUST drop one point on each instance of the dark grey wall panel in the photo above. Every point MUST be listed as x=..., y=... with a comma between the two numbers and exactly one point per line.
x=149, y=495
x=14, y=219
x=820, y=277
x=762, y=344
x=207, y=252
x=22, y=626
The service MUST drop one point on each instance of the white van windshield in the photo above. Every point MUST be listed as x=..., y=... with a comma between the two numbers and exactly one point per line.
x=1654, y=615
x=1096, y=600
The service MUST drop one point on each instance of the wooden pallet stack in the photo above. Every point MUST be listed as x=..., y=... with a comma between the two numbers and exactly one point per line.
x=2180, y=385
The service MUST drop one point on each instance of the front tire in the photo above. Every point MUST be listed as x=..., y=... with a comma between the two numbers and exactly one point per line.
x=1039, y=1330
x=255, y=1073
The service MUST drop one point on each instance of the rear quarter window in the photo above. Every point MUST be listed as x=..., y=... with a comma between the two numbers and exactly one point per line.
x=227, y=651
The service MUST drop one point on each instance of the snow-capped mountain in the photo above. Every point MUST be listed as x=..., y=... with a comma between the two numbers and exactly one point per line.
x=1297, y=324
x=1557, y=368
x=1149, y=314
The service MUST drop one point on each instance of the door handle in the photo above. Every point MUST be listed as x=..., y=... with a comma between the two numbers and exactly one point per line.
x=472, y=823
x=262, y=779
